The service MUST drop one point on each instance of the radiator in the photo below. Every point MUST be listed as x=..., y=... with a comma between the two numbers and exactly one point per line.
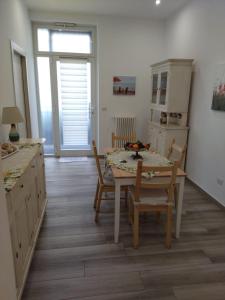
x=124, y=125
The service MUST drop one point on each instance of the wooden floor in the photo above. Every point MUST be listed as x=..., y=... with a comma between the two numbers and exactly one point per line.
x=77, y=259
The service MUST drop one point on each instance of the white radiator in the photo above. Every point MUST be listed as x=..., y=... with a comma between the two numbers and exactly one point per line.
x=124, y=125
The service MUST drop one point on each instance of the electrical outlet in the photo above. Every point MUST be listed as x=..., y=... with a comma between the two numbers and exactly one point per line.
x=219, y=181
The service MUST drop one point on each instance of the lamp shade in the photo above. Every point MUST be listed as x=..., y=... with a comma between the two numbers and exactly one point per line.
x=11, y=115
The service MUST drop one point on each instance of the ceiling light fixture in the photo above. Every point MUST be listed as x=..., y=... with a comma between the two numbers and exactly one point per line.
x=157, y=2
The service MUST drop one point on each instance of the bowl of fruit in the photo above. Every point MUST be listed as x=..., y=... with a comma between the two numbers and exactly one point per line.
x=136, y=147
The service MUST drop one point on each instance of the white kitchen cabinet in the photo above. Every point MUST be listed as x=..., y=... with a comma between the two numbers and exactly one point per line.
x=171, y=81
x=26, y=202
x=161, y=137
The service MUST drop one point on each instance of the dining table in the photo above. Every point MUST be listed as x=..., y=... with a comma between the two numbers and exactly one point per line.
x=123, y=168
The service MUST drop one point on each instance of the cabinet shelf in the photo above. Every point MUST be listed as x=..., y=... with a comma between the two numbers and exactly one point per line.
x=168, y=126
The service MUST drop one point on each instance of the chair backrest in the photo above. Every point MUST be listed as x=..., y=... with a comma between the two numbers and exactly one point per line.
x=97, y=162
x=177, y=153
x=168, y=181
x=119, y=141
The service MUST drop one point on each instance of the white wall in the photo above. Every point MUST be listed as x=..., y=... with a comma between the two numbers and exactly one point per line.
x=197, y=31
x=125, y=47
x=15, y=25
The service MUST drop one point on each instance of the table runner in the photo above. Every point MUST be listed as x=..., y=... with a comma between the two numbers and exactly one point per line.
x=116, y=157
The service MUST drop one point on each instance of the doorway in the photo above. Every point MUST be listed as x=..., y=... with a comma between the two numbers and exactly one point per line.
x=65, y=64
x=74, y=106
x=21, y=89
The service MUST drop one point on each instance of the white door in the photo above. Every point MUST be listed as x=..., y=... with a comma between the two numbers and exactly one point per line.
x=74, y=109
x=66, y=103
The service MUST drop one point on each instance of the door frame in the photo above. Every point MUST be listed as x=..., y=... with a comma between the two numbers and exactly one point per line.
x=15, y=49
x=92, y=58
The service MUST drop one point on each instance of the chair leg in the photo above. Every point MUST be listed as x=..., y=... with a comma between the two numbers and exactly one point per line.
x=169, y=228
x=136, y=228
x=96, y=195
x=98, y=203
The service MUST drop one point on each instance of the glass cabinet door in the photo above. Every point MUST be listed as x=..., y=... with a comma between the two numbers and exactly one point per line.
x=163, y=88
x=154, y=87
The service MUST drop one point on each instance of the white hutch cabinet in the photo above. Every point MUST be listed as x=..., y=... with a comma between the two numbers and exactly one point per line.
x=171, y=81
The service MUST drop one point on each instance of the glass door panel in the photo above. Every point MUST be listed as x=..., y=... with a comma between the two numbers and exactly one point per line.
x=74, y=104
x=45, y=97
x=163, y=88
x=154, y=88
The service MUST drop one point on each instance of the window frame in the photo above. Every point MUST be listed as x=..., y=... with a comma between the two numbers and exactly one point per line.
x=54, y=27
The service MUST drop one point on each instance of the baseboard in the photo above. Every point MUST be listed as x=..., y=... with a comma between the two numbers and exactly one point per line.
x=219, y=204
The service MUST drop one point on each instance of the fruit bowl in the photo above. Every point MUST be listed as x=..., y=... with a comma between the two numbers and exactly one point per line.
x=136, y=147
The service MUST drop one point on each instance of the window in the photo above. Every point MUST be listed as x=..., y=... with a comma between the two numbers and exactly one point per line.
x=67, y=41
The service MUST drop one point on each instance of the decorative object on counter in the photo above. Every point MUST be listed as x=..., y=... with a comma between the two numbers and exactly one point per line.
x=124, y=85
x=7, y=149
x=12, y=115
x=136, y=147
x=11, y=176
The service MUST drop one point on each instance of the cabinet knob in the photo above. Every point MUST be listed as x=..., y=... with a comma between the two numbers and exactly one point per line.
x=40, y=154
x=33, y=166
x=21, y=186
x=20, y=245
x=17, y=255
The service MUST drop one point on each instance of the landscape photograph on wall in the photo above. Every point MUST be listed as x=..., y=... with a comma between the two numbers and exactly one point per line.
x=218, y=101
x=124, y=85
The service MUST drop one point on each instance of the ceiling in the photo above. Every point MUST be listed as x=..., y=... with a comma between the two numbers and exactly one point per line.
x=126, y=8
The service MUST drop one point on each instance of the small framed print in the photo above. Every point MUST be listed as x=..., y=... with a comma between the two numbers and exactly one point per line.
x=124, y=85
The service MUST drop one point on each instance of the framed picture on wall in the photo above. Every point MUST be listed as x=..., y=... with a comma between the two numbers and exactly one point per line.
x=218, y=101
x=124, y=85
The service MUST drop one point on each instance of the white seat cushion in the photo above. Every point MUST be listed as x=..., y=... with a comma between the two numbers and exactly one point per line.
x=151, y=197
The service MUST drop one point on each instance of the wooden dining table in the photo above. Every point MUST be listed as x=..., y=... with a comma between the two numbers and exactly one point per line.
x=123, y=177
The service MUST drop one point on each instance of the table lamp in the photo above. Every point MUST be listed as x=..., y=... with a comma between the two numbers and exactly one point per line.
x=12, y=115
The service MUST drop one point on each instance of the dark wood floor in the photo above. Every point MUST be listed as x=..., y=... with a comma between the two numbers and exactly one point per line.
x=77, y=259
